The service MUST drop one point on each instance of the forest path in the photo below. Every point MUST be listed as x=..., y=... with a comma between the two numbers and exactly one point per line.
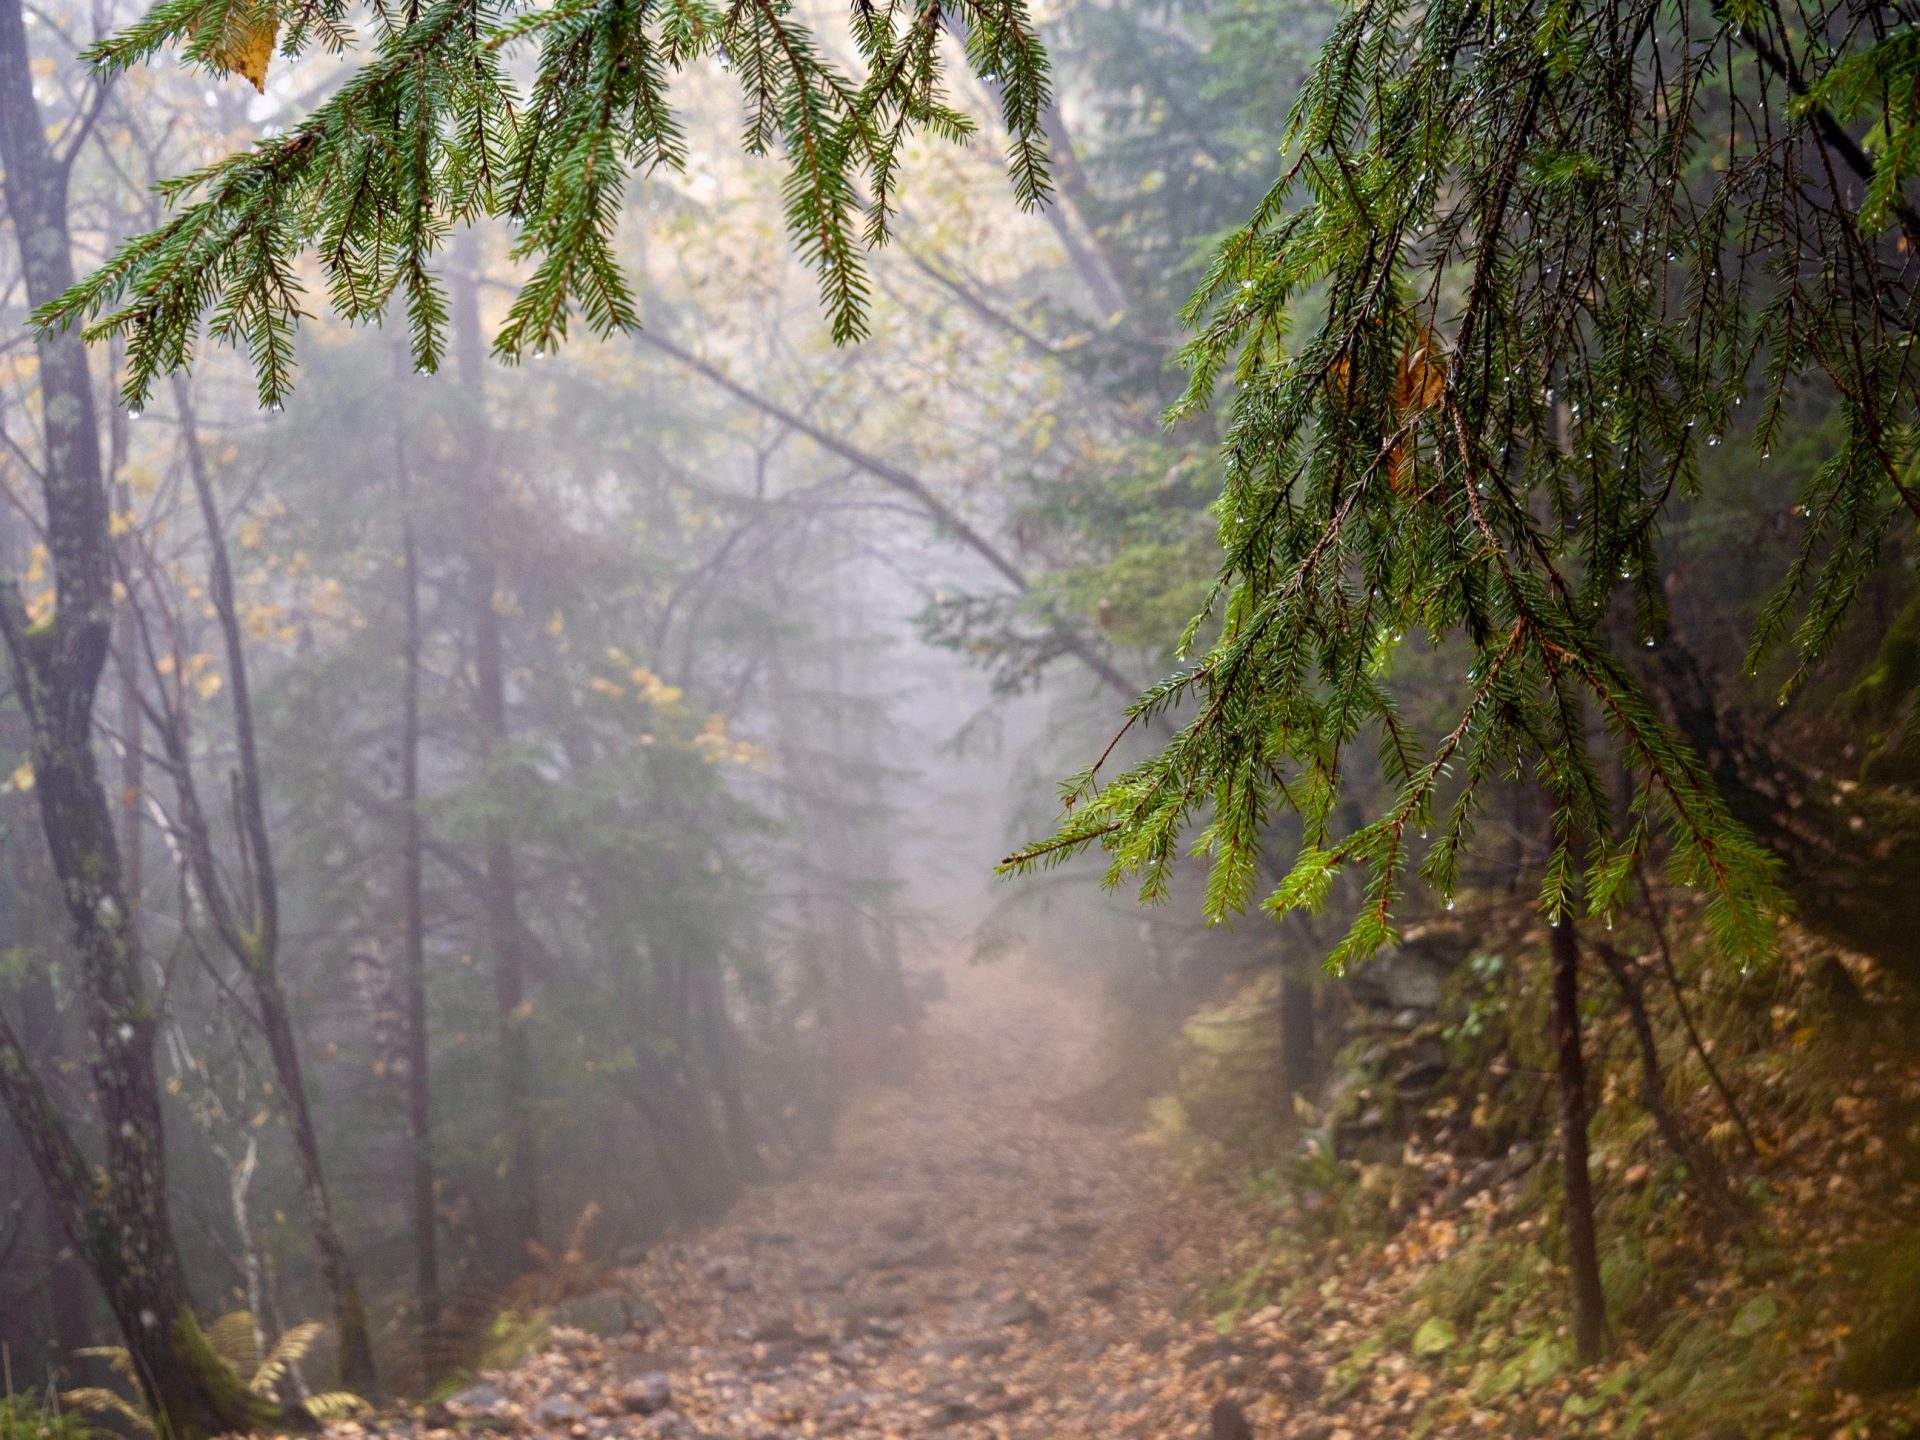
x=968, y=1263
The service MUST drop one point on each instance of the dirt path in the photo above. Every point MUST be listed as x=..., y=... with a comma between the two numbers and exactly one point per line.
x=968, y=1263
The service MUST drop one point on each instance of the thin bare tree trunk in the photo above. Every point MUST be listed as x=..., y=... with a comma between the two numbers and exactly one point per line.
x=255, y=940
x=426, y=1254
x=521, y=1178
x=1711, y=1178
x=1583, y=1257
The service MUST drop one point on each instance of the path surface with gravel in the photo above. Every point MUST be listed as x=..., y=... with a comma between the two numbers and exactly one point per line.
x=969, y=1262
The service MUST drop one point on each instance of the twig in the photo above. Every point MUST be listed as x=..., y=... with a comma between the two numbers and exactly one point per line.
x=1686, y=1015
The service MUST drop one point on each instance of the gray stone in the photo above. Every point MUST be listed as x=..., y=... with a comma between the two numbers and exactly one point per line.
x=813, y=1279
x=954, y=1412
x=482, y=1407
x=924, y=1256
x=648, y=1394
x=731, y=1272
x=965, y=1347
x=1018, y=1311
x=777, y=1355
x=1406, y=979
x=602, y=1313
x=1227, y=1421
x=876, y=1307
x=1027, y=1240
x=776, y=1327
x=903, y=1225
x=558, y=1411
x=478, y=1399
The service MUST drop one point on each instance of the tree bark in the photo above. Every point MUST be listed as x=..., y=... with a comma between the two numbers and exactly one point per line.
x=123, y=1228
x=122, y=1231
x=1583, y=1258
x=66, y=1287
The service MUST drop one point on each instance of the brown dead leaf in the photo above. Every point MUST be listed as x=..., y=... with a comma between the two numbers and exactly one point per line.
x=1419, y=382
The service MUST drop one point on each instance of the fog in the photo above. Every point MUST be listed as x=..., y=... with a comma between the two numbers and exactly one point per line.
x=508, y=845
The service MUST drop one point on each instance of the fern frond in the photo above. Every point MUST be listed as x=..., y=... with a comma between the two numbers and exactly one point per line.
x=235, y=1338
x=97, y=1400
x=331, y=1405
x=289, y=1350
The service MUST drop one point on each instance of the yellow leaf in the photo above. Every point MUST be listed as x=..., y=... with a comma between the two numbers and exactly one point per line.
x=249, y=46
x=22, y=777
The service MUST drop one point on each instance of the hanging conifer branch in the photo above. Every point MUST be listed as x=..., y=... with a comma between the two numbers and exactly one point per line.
x=1551, y=247
x=433, y=132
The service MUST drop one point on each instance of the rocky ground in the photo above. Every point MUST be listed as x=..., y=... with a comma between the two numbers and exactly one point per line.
x=970, y=1262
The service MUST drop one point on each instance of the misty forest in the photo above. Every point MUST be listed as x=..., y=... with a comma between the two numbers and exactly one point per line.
x=737, y=719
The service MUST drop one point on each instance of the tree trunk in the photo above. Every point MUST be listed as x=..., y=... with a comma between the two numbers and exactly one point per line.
x=521, y=1177
x=66, y=1287
x=721, y=1049
x=426, y=1254
x=1842, y=852
x=1583, y=1258
x=122, y=1228
x=122, y=1231
x=255, y=940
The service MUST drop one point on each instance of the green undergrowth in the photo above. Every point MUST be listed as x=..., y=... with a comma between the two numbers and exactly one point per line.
x=27, y=1417
x=1414, y=1262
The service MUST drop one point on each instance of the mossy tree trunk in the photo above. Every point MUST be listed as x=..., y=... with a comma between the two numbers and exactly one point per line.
x=121, y=1227
x=121, y=1230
